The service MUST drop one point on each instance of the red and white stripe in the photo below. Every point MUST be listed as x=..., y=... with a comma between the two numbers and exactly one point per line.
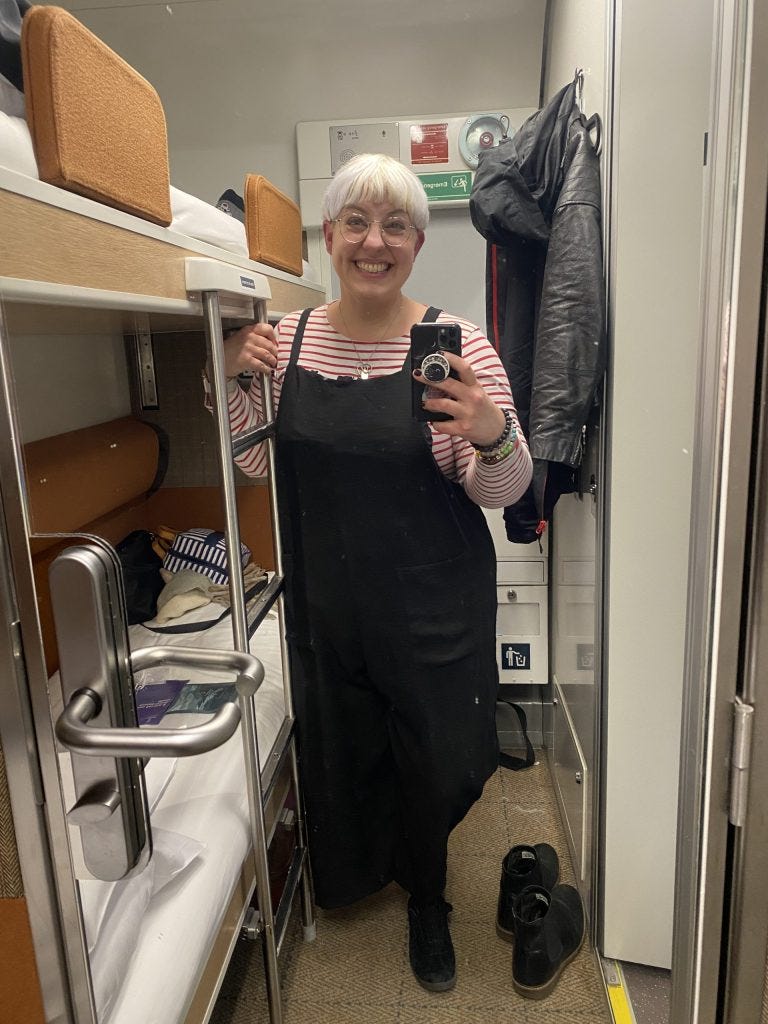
x=333, y=355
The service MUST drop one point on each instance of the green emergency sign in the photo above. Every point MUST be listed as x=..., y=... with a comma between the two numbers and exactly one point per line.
x=450, y=185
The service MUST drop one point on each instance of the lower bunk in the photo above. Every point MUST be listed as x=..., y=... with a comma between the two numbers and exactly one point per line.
x=159, y=940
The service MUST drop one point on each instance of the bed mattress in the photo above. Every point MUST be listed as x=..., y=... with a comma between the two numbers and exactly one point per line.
x=150, y=936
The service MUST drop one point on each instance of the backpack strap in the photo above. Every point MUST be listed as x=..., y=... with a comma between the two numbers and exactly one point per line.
x=431, y=315
x=509, y=760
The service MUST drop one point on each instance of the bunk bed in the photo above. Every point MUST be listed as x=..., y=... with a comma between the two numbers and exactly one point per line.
x=131, y=953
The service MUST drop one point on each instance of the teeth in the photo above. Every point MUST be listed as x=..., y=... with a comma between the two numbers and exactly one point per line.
x=372, y=268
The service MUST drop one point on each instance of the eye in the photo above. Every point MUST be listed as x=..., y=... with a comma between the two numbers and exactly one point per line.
x=355, y=222
x=396, y=226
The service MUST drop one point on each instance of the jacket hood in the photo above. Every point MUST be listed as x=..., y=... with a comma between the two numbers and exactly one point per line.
x=518, y=182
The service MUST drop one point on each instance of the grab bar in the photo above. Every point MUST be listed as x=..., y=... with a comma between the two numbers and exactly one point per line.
x=74, y=732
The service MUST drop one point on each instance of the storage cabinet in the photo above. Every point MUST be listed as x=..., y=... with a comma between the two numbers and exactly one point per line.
x=522, y=607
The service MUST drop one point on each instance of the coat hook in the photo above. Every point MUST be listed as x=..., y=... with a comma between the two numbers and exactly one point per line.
x=579, y=79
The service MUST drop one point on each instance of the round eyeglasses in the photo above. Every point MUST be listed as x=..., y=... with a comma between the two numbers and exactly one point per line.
x=395, y=230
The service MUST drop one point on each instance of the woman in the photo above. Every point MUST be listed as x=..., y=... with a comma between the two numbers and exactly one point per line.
x=390, y=569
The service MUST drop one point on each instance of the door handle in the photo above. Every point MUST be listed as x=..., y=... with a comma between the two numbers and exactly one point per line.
x=99, y=725
x=73, y=731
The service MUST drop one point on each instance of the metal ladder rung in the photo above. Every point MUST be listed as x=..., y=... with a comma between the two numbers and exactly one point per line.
x=263, y=603
x=280, y=750
x=283, y=912
x=250, y=438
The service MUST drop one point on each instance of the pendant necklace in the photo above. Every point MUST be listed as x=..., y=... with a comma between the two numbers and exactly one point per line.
x=364, y=366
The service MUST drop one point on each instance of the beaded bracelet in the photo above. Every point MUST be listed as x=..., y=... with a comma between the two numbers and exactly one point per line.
x=503, y=436
x=500, y=453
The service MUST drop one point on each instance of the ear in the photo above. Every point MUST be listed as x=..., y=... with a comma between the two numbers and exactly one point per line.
x=328, y=236
x=419, y=243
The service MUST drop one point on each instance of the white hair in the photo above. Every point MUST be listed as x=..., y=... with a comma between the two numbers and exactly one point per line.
x=376, y=178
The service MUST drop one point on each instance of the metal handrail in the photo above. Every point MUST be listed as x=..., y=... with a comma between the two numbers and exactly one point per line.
x=73, y=731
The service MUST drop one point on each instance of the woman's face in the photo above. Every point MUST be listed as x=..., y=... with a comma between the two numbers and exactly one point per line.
x=372, y=270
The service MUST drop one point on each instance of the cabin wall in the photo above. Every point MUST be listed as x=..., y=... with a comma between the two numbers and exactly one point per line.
x=274, y=69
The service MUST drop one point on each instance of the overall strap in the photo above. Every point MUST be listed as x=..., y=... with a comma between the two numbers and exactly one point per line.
x=296, y=346
x=431, y=315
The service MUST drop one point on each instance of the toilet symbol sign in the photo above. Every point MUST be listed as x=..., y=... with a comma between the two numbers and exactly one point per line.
x=515, y=657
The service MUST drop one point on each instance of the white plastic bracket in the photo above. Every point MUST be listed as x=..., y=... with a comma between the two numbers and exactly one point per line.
x=207, y=275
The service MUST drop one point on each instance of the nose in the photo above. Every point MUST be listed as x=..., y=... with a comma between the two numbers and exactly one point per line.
x=374, y=239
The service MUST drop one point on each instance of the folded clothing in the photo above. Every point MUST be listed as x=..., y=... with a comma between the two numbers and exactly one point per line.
x=188, y=589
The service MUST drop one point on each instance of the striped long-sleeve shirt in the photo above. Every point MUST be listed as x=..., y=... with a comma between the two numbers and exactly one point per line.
x=331, y=354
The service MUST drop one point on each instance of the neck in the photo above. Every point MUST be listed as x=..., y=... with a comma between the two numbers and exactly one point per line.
x=369, y=323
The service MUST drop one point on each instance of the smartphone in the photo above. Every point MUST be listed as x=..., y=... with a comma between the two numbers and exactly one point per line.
x=428, y=341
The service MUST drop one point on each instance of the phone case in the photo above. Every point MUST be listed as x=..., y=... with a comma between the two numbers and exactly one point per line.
x=428, y=339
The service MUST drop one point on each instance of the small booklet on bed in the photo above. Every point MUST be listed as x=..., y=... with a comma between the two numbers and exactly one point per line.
x=179, y=696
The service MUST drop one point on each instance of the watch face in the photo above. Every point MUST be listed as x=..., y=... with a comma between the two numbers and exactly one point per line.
x=481, y=132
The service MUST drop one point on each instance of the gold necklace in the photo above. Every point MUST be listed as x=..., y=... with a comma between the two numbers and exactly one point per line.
x=364, y=366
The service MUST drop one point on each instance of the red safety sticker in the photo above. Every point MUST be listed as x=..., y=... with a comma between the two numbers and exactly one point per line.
x=429, y=143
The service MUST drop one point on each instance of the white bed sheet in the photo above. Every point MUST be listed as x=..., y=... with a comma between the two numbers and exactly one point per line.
x=157, y=942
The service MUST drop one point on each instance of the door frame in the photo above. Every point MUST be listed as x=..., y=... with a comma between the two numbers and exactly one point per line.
x=732, y=262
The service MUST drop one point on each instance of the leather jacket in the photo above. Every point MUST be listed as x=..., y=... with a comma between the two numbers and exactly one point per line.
x=536, y=199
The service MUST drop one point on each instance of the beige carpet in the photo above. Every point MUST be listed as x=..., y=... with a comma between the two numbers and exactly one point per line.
x=357, y=971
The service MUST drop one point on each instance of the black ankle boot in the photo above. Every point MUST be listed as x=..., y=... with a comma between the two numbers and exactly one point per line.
x=523, y=866
x=430, y=949
x=549, y=930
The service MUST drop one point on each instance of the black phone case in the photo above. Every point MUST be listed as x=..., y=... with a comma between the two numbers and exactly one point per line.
x=426, y=339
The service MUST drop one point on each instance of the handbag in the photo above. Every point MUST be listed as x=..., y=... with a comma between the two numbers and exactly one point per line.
x=142, y=581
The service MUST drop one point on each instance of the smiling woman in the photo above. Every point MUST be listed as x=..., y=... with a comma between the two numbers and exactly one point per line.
x=393, y=586
x=365, y=496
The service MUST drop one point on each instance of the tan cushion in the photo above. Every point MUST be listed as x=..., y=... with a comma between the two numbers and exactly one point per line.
x=77, y=477
x=272, y=226
x=98, y=127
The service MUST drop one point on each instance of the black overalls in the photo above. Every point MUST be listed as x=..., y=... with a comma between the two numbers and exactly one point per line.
x=391, y=604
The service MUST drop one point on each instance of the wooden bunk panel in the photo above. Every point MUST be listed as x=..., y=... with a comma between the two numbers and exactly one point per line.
x=98, y=128
x=49, y=244
x=41, y=242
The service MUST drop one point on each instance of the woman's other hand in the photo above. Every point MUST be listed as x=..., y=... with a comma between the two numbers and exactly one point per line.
x=251, y=348
x=476, y=417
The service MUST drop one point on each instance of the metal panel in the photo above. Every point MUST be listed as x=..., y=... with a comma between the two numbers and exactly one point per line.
x=731, y=272
x=572, y=785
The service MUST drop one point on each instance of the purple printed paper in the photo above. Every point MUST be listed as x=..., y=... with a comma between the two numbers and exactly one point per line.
x=155, y=699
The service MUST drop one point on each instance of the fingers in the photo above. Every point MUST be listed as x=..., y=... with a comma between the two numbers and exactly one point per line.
x=252, y=348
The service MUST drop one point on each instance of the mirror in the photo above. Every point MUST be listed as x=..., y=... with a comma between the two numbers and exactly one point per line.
x=235, y=81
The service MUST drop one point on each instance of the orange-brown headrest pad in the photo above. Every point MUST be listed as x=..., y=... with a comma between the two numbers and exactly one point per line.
x=79, y=476
x=98, y=128
x=272, y=226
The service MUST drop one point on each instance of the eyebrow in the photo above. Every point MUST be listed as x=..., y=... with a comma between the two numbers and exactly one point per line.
x=361, y=211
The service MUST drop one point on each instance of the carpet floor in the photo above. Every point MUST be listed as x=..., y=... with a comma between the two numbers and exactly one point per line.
x=357, y=971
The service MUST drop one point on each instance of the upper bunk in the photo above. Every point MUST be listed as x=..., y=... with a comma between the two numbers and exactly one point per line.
x=89, y=217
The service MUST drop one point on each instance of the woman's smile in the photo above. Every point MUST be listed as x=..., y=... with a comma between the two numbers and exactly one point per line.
x=369, y=267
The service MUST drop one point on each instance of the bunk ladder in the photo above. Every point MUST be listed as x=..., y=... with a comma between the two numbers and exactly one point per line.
x=205, y=276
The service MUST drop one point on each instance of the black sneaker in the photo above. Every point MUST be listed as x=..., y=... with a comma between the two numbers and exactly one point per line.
x=430, y=949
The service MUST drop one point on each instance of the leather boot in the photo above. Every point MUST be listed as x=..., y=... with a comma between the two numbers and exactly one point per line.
x=430, y=949
x=523, y=866
x=549, y=931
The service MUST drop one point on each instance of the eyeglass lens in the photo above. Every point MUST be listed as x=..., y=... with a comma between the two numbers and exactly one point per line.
x=394, y=230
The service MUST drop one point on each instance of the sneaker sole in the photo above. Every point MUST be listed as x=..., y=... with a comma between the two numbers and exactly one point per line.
x=542, y=991
x=504, y=934
x=437, y=986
